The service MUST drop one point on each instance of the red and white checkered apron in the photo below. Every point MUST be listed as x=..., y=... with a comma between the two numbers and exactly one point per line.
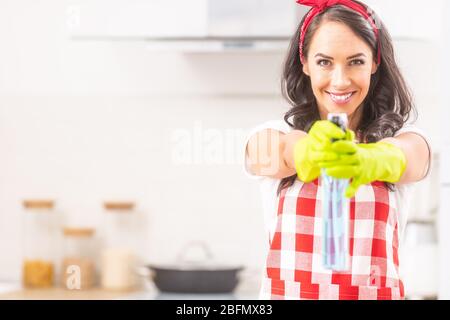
x=294, y=264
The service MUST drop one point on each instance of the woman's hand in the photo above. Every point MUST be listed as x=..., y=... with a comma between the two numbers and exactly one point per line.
x=315, y=149
x=365, y=163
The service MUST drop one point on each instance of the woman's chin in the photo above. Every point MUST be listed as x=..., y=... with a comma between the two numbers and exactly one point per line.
x=339, y=109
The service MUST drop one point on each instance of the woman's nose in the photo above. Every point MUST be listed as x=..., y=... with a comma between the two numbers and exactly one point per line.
x=340, y=78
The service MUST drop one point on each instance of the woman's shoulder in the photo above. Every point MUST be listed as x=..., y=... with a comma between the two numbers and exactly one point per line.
x=411, y=128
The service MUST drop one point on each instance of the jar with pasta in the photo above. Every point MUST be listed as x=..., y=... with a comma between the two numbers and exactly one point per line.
x=39, y=234
x=78, y=265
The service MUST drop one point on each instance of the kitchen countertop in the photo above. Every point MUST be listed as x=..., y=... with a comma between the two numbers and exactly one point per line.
x=61, y=294
x=13, y=291
x=247, y=289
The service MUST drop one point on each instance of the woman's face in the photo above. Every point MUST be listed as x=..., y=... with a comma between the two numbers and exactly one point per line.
x=339, y=64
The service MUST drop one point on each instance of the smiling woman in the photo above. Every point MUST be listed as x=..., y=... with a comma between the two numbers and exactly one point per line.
x=339, y=61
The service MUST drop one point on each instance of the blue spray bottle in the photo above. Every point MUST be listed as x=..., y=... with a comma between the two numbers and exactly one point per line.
x=335, y=214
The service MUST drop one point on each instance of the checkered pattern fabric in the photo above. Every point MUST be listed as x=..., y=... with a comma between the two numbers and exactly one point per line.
x=294, y=264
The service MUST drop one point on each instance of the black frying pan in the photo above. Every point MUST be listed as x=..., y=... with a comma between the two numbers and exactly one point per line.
x=195, y=278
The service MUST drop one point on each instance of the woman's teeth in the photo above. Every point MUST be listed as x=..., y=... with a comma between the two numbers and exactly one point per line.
x=341, y=98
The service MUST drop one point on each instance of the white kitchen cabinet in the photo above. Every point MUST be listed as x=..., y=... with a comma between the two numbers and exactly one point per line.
x=180, y=19
x=137, y=18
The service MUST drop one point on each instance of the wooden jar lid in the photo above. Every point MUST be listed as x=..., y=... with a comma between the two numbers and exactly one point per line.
x=123, y=206
x=38, y=204
x=78, y=232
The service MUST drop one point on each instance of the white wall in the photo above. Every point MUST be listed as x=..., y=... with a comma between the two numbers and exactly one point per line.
x=86, y=121
x=82, y=151
x=411, y=18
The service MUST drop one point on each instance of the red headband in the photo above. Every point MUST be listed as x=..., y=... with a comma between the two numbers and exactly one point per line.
x=320, y=5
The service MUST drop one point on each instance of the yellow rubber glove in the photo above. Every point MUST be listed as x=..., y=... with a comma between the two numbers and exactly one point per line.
x=315, y=149
x=365, y=163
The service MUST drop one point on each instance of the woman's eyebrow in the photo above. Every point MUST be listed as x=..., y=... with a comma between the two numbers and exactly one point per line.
x=323, y=56
x=349, y=58
x=356, y=56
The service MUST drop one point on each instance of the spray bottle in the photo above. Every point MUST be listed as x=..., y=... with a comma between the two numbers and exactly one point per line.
x=335, y=214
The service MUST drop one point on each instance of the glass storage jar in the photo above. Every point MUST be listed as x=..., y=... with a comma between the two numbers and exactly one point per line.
x=78, y=265
x=118, y=258
x=39, y=227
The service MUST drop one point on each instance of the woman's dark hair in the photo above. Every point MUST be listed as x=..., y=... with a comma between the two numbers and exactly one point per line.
x=388, y=104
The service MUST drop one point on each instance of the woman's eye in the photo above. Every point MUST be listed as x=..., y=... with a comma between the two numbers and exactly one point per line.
x=323, y=63
x=357, y=62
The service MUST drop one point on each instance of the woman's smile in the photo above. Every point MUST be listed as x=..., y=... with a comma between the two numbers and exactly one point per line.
x=341, y=98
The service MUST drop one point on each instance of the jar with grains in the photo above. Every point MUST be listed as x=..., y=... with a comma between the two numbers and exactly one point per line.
x=39, y=251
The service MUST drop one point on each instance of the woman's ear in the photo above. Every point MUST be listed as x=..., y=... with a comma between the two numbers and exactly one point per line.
x=374, y=67
x=306, y=69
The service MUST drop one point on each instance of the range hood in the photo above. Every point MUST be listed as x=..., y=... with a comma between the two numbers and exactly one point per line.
x=194, y=25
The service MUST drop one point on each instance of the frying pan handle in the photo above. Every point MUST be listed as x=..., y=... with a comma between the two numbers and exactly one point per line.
x=250, y=274
x=181, y=257
x=144, y=272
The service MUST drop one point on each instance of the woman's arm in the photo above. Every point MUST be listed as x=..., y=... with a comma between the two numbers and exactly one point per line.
x=417, y=155
x=270, y=153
